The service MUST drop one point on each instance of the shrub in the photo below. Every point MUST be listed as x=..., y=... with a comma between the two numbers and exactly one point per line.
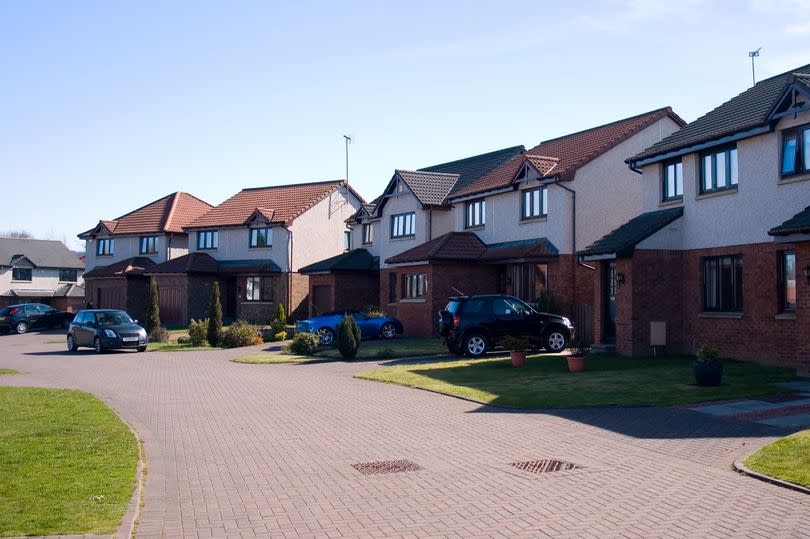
x=159, y=334
x=214, y=330
x=304, y=344
x=348, y=337
x=373, y=311
x=707, y=352
x=280, y=336
x=387, y=353
x=279, y=323
x=183, y=339
x=545, y=303
x=197, y=332
x=153, y=318
x=241, y=333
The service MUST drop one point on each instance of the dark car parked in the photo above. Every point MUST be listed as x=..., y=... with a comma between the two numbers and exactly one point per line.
x=105, y=329
x=25, y=316
x=471, y=325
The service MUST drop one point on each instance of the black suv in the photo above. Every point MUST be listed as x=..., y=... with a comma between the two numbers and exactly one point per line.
x=471, y=325
x=25, y=316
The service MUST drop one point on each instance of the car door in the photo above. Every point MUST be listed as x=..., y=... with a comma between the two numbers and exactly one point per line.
x=365, y=323
x=86, y=331
x=515, y=318
x=33, y=315
x=47, y=316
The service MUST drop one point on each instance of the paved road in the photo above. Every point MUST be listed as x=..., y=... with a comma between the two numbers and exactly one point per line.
x=268, y=450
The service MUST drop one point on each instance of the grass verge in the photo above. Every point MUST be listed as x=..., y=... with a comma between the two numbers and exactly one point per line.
x=608, y=381
x=9, y=371
x=174, y=346
x=369, y=350
x=276, y=357
x=787, y=459
x=68, y=463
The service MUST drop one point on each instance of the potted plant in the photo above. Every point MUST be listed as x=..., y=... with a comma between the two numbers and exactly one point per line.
x=517, y=349
x=708, y=367
x=576, y=358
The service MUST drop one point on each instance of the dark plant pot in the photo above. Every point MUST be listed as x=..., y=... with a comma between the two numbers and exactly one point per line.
x=708, y=373
x=518, y=357
x=576, y=363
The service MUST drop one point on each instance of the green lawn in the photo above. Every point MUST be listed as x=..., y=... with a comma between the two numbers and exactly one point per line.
x=9, y=371
x=67, y=463
x=377, y=349
x=174, y=346
x=787, y=459
x=608, y=380
x=276, y=357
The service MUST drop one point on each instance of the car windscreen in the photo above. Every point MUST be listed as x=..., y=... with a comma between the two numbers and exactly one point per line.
x=113, y=318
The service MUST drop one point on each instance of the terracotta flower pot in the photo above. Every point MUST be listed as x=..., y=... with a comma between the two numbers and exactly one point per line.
x=518, y=357
x=576, y=363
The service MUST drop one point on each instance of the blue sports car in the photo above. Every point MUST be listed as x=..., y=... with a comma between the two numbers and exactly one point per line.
x=325, y=326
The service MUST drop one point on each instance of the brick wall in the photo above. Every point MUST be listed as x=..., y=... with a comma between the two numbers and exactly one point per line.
x=300, y=297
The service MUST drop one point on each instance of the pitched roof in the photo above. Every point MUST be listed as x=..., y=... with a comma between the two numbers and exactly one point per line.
x=354, y=260
x=198, y=262
x=562, y=156
x=798, y=224
x=286, y=202
x=42, y=253
x=429, y=188
x=450, y=246
x=168, y=214
x=531, y=248
x=135, y=265
x=470, y=169
x=748, y=110
x=624, y=239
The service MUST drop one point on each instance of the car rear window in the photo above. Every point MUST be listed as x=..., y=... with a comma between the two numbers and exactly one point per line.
x=453, y=306
x=5, y=310
x=475, y=306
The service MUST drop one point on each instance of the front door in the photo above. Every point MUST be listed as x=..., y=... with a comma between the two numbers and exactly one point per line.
x=609, y=302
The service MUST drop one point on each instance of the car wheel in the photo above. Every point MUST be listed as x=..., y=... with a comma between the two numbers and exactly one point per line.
x=475, y=345
x=97, y=346
x=555, y=341
x=388, y=331
x=141, y=349
x=327, y=336
x=453, y=348
x=71, y=344
x=21, y=327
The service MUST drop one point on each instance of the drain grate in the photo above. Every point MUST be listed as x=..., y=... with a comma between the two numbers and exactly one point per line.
x=386, y=466
x=545, y=465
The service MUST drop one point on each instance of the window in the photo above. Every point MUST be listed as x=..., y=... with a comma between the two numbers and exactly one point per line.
x=787, y=281
x=673, y=180
x=796, y=151
x=368, y=233
x=414, y=285
x=260, y=237
x=148, y=245
x=259, y=289
x=105, y=247
x=21, y=274
x=67, y=275
x=534, y=203
x=402, y=225
x=529, y=281
x=718, y=170
x=722, y=283
x=476, y=214
x=347, y=240
x=207, y=239
x=392, y=287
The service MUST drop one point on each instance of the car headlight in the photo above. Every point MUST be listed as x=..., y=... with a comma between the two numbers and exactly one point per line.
x=110, y=333
x=567, y=322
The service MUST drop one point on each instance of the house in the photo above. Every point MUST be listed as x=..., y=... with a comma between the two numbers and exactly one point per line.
x=253, y=245
x=720, y=253
x=412, y=209
x=119, y=251
x=516, y=228
x=40, y=271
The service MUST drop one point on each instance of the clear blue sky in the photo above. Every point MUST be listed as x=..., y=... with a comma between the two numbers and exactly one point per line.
x=106, y=106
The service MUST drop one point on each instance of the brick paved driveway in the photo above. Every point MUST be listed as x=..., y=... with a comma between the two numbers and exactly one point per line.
x=259, y=450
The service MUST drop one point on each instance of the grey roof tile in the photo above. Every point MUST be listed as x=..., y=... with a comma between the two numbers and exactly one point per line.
x=624, y=239
x=798, y=224
x=43, y=253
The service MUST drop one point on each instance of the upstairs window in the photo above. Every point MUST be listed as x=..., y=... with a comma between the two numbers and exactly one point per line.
x=414, y=286
x=105, y=247
x=347, y=240
x=260, y=237
x=21, y=274
x=534, y=203
x=722, y=283
x=148, y=245
x=402, y=225
x=207, y=239
x=673, y=180
x=368, y=233
x=718, y=170
x=68, y=275
x=476, y=214
x=796, y=151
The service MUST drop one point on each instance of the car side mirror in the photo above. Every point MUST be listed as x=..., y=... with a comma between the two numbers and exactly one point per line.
x=136, y=320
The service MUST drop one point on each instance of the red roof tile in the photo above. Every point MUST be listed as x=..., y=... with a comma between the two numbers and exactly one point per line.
x=190, y=263
x=282, y=202
x=168, y=214
x=450, y=246
x=130, y=266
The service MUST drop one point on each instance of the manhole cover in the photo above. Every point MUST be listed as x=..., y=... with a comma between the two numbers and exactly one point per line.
x=544, y=465
x=386, y=466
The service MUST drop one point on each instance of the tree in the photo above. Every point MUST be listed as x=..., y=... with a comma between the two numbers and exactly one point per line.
x=23, y=234
x=153, y=318
x=214, y=317
x=279, y=323
x=348, y=337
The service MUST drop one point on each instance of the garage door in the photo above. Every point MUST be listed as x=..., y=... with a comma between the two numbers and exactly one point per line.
x=171, y=306
x=321, y=298
x=111, y=298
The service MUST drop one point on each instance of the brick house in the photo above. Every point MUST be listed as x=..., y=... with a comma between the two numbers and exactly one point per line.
x=720, y=253
x=253, y=244
x=40, y=271
x=119, y=251
x=516, y=228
